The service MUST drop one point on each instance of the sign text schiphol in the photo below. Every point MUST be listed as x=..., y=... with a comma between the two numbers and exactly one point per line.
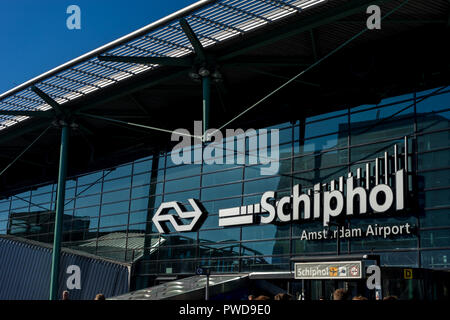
x=327, y=201
x=379, y=188
x=328, y=270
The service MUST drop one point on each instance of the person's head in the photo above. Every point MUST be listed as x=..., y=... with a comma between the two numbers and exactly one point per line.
x=262, y=298
x=390, y=298
x=65, y=295
x=99, y=296
x=340, y=294
x=359, y=298
x=282, y=296
x=251, y=297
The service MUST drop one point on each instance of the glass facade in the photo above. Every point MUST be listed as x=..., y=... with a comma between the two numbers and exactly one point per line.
x=109, y=212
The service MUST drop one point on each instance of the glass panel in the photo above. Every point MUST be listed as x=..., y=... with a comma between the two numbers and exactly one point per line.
x=219, y=250
x=320, y=144
x=391, y=100
x=384, y=122
x=119, y=172
x=21, y=201
x=433, y=141
x=434, y=179
x=154, y=202
x=341, y=112
x=116, y=220
x=308, y=179
x=4, y=215
x=4, y=204
x=143, y=166
x=182, y=171
x=435, y=218
x=88, y=201
x=438, y=259
x=177, y=253
x=3, y=226
x=265, y=264
x=220, y=235
x=182, y=196
x=43, y=198
x=265, y=248
x=118, y=207
x=141, y=179
x=370, y=152
x=138, y=229
x=434, y=198
x=214, y=206
x=180, y=239
x=139, y=204
x=339, y=124
x=264, y=170
x=399, y=259
x=182, y=184
x=89, y=189
x=262, y=232
x=222, y=177
x=117, y=184
x=177, y=267
x=140, y=192
x=90, y=178
x=434, y=121
x=433, y=103
x=116, y=196
x=262, y=185
x=323, y=246
x=138, y=217
x=435, y=238
x=321, y=160
x=285, y=136
x=222, y=191
x=211, y=221
x=432, y=160
x=87, y=212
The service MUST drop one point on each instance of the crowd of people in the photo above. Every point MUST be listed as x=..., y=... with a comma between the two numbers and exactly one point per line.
x=338, y=294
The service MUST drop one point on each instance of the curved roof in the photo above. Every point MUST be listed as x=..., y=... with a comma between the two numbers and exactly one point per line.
x=213, y=22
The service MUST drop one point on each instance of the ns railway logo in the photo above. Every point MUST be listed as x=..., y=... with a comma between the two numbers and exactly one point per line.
x=379, y=187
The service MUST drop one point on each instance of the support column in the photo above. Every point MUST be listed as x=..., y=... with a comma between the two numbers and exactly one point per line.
x=59, y=214
x=206, y=84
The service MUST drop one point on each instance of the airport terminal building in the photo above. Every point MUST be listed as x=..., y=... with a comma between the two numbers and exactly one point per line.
x=363, y=147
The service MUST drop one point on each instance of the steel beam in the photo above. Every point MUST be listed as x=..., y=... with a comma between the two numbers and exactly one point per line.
x=295, y=28
x=59, y=214
x=37, y=114
x=206, y=84
x=284, y=77
x=314, y=44
x=167, y=61
x=198, y=48
x=55, y=105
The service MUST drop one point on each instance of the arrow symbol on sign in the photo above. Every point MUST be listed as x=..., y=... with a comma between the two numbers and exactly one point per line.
x=161, y=216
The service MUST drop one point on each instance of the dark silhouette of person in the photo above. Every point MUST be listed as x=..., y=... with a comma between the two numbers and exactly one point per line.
x=340, y=294
x=99, y=296
x=65, y=295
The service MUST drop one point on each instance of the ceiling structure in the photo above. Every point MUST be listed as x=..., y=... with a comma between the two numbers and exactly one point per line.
x=249, y=47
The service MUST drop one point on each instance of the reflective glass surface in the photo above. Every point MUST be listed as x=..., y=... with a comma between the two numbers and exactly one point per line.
x=109, y=212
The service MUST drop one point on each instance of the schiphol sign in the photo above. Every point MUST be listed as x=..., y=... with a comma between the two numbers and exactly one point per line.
x=379, y=189
x=328, y=270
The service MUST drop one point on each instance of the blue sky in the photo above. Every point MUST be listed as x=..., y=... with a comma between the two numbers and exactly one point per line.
x=35, y=37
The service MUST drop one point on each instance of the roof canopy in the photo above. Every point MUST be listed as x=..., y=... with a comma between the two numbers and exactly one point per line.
x=254, y=46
